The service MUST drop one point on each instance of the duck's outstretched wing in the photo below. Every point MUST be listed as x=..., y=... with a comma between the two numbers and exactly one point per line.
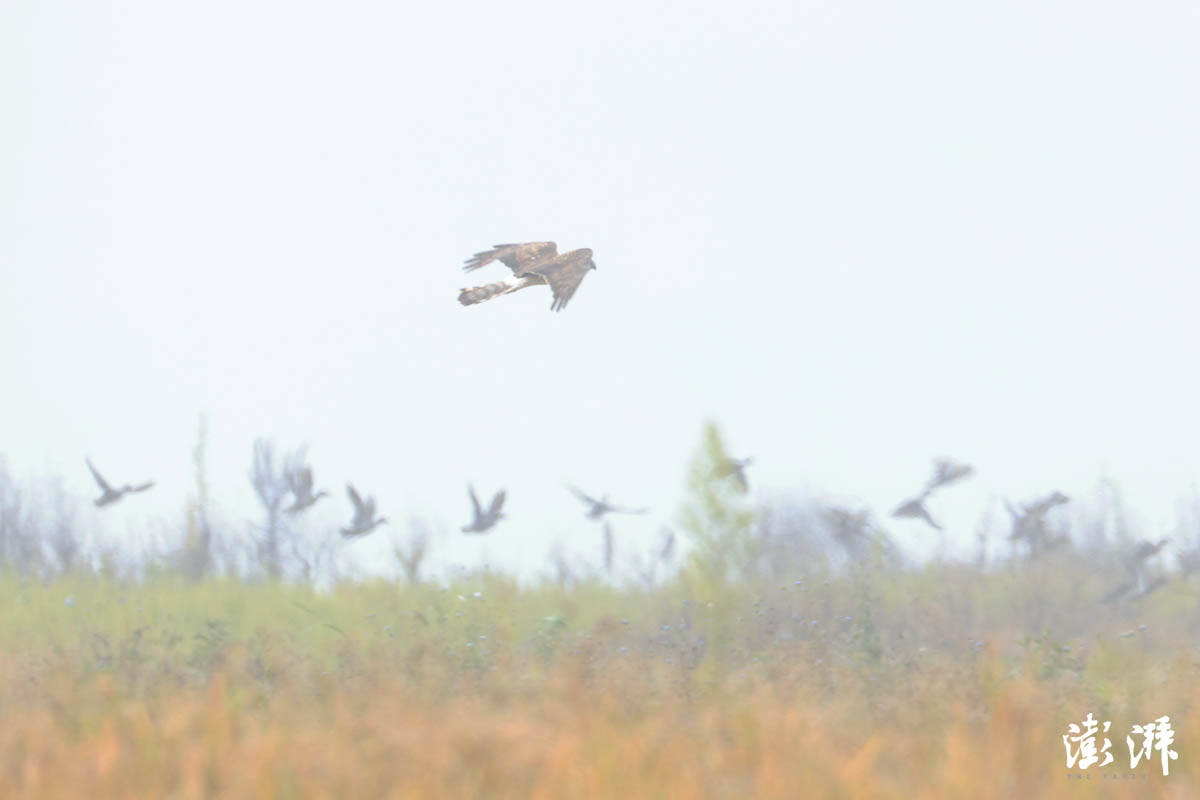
x=947, y=471
x=475, y=507
x=915, y=509
x=591, y=501
x=356, y=500
x=99, y=479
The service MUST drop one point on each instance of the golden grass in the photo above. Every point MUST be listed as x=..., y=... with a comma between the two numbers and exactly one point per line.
x=171, y=690
x=586, y=726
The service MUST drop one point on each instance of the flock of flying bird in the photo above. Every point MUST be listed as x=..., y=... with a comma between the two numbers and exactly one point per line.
x=1030, y=528
x=540, y=263
x=532, y=264
x=364, y=520
x=1028, y=521
x=1029, y=524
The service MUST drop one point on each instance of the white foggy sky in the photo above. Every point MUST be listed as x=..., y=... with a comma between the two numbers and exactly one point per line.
x=858, y=235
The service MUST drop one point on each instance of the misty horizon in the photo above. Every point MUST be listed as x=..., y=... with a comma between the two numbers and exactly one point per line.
x=857, y=239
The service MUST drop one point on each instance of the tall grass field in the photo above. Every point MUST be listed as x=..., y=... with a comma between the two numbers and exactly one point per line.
x=865, y=683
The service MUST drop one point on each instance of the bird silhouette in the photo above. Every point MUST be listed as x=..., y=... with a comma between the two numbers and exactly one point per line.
x=532, y=263
x=1143, y=582
x=914, y=508
x=364, y=515
x=1029, y=522
x=1136, y=561
x=484, y=520
x=666, y=548
x=1139, y=574
x=946, y=471
x=1044, y=504
x=111, y=494
x=736, y=468
x=851, y=529
x=846, y=522
x=300, y=482
x=598, y=508
x=1145, y=550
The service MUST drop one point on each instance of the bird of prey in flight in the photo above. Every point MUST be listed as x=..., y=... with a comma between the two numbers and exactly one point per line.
x=598, y=508
x=532, y=263
x=484, y=520
x=364, y=515
x=111, y=494
x=300, y=483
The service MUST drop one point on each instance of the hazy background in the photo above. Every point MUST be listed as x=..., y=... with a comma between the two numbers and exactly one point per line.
x=856, y=235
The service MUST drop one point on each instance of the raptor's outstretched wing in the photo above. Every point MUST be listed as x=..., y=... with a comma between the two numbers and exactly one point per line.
x=564, y=274
x=519, y=258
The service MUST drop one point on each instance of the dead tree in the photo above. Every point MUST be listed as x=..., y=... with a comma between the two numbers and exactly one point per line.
x=198, y=559
x=412, y=553
x=269, y=479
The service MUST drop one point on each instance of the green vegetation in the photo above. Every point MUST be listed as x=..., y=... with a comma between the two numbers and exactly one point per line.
x=778, y=654
x=868, y=683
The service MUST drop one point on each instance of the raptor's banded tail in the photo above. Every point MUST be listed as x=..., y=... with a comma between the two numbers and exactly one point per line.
x=477, y=294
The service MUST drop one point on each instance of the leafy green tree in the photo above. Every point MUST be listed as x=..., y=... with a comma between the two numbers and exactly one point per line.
x=717, y=516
